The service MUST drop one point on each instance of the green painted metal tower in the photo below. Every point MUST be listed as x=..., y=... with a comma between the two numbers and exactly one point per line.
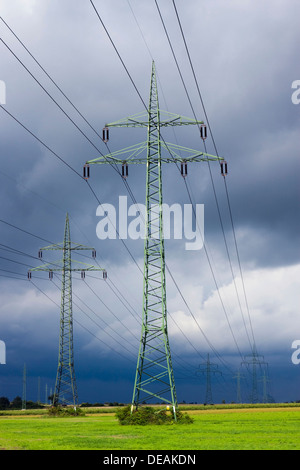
x=65, y=388
x=154, y=380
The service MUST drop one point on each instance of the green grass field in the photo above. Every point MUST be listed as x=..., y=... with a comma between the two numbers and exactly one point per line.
x=213, y=429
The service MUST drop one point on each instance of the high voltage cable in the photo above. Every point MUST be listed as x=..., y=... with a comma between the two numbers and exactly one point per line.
x=73, y=123
x=40, y=140
x=117, y=52
x=99, y=339
x=214, y=144
x=214, y=191
x=12, y=250
x=92, y=290
x=76, y=305
x=143, y=104
x=61, y=159
x=92, y=190
x=70, y=167
x=109, y=281
x=59, y=88
x=172, y=49
x=54, y=83
x=51, y=97
x=122, y=64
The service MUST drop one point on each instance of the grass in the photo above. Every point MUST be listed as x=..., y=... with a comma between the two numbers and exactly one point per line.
x=218, y=428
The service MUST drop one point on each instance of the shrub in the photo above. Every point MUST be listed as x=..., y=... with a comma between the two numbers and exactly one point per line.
x=147, y=415
x=64, y=411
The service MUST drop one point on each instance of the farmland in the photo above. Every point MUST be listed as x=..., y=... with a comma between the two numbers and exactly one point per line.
x=214, y=428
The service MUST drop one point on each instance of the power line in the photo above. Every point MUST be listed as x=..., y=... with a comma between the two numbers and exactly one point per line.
x=80, y=324
x=76, y=126
x=19, y=252
x=143, y=104
x=211, y=177
x=52, y=80
x=215, y=147
x=118, y=54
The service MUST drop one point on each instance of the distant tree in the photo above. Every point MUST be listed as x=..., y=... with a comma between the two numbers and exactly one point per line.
x=33, y=405
x=4, y=403
x=16, y=404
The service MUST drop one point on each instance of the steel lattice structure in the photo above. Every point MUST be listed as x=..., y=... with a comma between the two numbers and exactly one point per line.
x=208, y=368
x=65, y=388
x=256, y=361
x=154, y=374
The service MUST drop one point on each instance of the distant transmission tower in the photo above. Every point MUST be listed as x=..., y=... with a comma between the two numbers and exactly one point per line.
x=254, y=361
x=24, y=389
x=265, y=380
x=238, y=377
x=65, y=388
x=154, y=374
x=208, y=369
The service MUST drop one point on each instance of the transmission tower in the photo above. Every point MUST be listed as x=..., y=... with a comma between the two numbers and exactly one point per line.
x=254, y=361
x=24, y=389
x=209, y=369
x=265, y=380
x=39, y=391
x=238, y=377
x=65, y=388
x=154, y=373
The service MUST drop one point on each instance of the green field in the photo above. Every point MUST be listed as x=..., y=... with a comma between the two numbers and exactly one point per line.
x=213, y=429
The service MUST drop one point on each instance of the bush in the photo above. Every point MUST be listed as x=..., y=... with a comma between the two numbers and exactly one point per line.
x=64, y=411
x=147, y=415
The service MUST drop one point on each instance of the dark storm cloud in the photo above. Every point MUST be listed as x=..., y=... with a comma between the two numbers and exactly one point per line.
x=244, y=56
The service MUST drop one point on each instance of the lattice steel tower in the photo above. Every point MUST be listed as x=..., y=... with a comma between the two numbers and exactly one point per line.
x=209, y=369
x=154, y=374
x=255, y=361
x=65, y=388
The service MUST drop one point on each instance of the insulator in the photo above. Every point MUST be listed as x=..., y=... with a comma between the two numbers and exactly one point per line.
x=124, y=170
x=50, y=274
x=104, y=274
x=223, y=168
x=40, y=254
x=94, y=254
x=203, y=131
x=86, y=171
x=105, y=134
x=29, y=275
x=184, y=169
x=82, y=274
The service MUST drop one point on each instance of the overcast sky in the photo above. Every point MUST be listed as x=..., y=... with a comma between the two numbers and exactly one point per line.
x=245, y=58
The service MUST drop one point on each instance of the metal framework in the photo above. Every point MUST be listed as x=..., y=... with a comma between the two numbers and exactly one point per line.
x=65, y=388
x=255, y=361
x=208, y=368
x=154, y=380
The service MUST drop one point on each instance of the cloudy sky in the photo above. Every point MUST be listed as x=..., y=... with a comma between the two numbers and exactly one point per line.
x=64, y=73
